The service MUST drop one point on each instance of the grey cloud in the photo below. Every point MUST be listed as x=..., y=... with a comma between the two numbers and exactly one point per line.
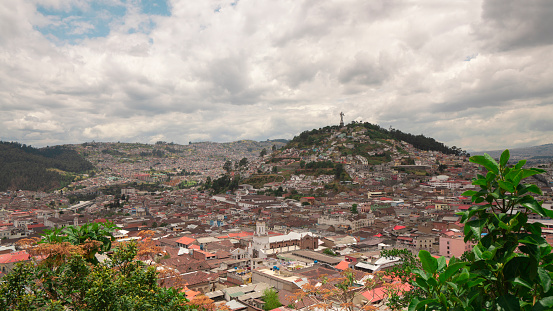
x=502, y=95
x=271, y=69
x=512, y=24
x=362, y=70
x=230, y=74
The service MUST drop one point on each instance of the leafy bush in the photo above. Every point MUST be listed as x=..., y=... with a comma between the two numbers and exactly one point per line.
x=70, y=278
x=510, y=267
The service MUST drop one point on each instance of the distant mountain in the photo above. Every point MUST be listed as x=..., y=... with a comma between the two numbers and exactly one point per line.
x=23, y=167
x=283, y=141
x=534, y=154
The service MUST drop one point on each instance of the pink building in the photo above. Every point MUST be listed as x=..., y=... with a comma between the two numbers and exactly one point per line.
x=452, y=244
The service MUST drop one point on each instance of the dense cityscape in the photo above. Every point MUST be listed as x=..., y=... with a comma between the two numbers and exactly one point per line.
x=235, y=219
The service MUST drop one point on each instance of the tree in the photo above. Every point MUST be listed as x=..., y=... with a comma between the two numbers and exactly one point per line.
x=354, y=209
x=275, y=169
x=302, y=164
x=66, y=279
x=399, y=297
x=96, y=236
x=243, y=162
x=337, y=291
x=338, y=169
x=510, y=267
x=270, y=297
x=274, y=148
x=263, y=153
x=227, y=166
x=329, y=251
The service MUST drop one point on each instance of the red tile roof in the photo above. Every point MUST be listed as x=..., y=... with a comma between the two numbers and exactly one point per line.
x=343, y=265
x=35, y=226
x=186, y=240
x=14, y=257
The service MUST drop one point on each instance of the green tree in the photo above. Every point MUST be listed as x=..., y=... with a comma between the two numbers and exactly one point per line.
x=354, y=209
x=302, y=164
x=270, y=297
x=101, y=233
x=510, y=267
x=66, y=280
x=329, y=251
x=227, y=166
x=243, y=162
x=398, y=297
x=338, y=169
x=263, y=153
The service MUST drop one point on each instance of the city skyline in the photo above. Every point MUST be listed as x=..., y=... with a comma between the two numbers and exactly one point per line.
x=474, y=75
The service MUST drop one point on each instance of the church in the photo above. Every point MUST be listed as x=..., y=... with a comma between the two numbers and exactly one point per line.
x=265, y=245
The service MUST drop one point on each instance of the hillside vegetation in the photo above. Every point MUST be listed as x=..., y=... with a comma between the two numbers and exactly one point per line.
x=317, y=136
x=27, y=168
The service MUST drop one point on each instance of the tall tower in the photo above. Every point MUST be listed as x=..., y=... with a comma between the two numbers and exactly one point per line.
x=341, y=119
x=261, y=241
x=260, y=228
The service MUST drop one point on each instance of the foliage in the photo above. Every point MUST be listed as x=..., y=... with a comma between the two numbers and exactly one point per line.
x=329, y=251
x=398, y=298
x=270, y=297
x=243, y=162
x=257, y=181
x=333, y=292
x=317, y=136
x=354, y=209
x=423, y=143
x=340, y=173
x=81, y=236
x=227, y=166
x=510, y=267
x=28, y=168
x=66, y=280
x=223, y=184
x=318, y=164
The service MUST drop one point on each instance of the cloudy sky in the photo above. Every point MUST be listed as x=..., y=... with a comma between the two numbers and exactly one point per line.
x=474, y=74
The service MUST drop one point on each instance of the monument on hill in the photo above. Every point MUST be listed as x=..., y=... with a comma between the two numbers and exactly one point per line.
x=341, y=119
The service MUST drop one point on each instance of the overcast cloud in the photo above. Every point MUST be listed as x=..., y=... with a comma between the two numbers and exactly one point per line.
x=474, y=74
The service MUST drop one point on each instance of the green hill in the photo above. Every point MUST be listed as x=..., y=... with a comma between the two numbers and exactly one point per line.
x=26, y=168
x=316, y=137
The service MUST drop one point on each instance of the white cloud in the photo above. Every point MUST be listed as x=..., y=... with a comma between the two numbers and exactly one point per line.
x=261, y=69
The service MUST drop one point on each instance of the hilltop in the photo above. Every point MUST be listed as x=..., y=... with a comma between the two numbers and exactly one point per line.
x=27, y=168
x=375, y=132
x=332, y=159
